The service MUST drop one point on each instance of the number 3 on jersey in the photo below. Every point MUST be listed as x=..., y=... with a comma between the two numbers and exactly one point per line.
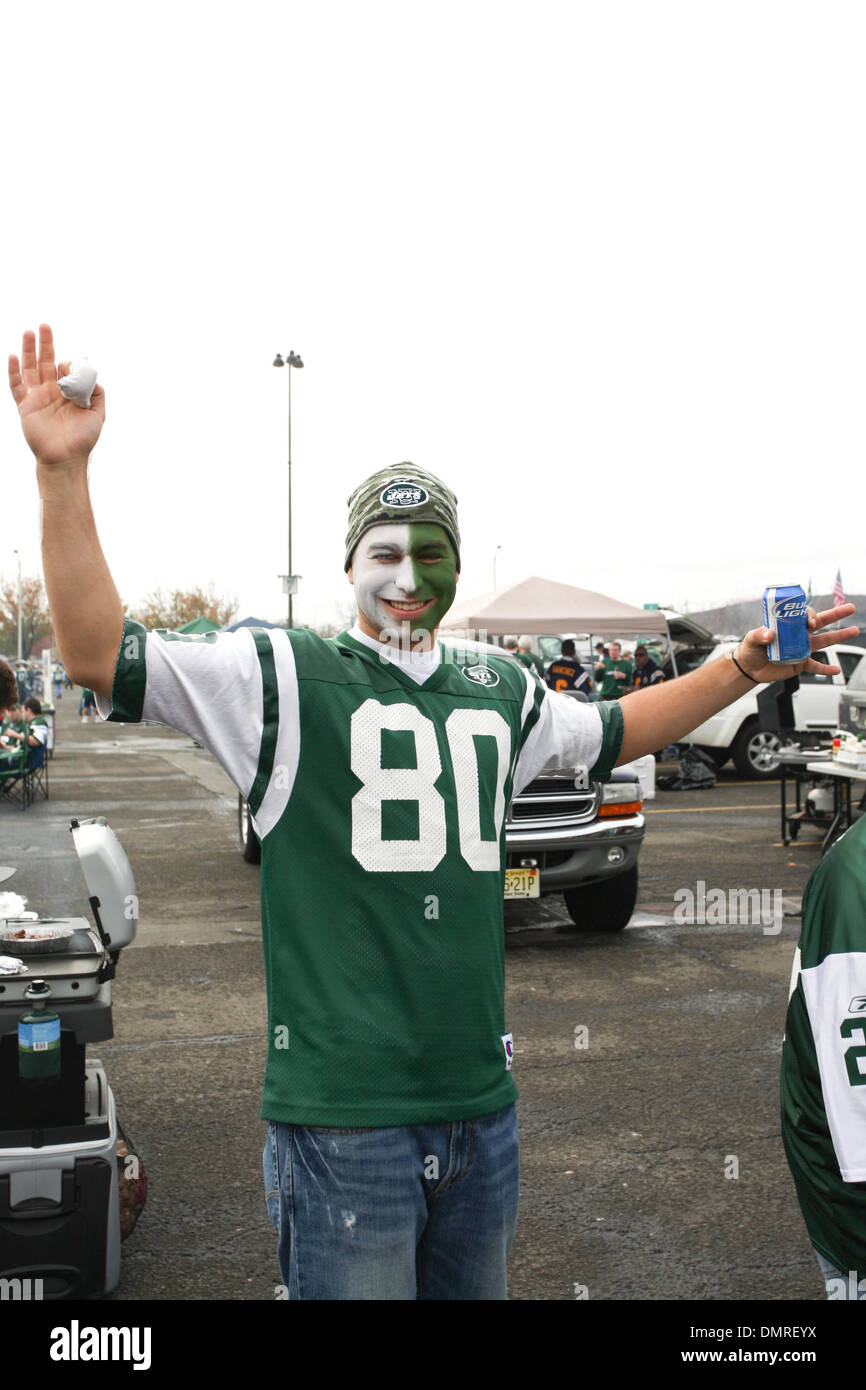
x=417, y=784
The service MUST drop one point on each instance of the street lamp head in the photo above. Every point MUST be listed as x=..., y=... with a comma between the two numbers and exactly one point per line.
x=278, y=361
x=294, y=359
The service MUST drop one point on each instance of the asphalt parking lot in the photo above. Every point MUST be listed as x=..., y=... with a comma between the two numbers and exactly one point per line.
x=647, y=1060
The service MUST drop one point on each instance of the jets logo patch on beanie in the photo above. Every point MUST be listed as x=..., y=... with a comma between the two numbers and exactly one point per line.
x=401, y=494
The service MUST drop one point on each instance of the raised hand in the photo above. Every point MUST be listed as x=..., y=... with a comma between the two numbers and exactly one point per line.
x=752, y=653
x=57, y=430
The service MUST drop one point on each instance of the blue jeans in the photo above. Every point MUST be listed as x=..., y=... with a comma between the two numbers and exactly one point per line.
x=839, y=1285
x=403, y=1212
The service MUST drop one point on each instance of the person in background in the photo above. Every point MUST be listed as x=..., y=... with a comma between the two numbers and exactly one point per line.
x=37, y=725
x=32, y=729
x=616, y=674
x=57, y=681
x=87, y=705
x=12, y=722
x=647, y=672
x=566, y=672
x=509, y=646
x=528, y=657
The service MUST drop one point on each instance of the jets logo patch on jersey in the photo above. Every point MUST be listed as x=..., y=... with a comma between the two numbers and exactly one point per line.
x=481, y=675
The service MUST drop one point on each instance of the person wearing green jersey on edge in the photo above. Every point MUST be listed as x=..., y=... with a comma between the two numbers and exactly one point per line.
x=378, y=771
x=823, y=1089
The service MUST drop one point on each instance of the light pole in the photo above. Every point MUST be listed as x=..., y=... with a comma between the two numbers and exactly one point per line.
x=495, y=553
x=18, y=558
x=293, y=359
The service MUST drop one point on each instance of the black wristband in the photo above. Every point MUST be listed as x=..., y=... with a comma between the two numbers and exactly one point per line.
x=742, y=672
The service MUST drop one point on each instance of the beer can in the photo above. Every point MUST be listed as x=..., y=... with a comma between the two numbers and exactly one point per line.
x=785, y=613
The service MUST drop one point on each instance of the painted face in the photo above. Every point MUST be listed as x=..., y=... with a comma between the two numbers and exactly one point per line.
x=405, y=578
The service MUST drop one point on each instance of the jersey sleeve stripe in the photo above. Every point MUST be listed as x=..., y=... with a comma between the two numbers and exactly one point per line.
x=531, y=711
x=529, y=714
x=612, y=731
x=130, y=679
x=287, y=748
x=270, y=719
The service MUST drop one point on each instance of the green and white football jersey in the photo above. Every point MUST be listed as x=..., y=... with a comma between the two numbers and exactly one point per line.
x=378, y=789
x=38, y=728
x=824, y=1056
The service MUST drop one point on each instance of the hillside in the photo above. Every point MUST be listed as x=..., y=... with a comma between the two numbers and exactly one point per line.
x=735, y=618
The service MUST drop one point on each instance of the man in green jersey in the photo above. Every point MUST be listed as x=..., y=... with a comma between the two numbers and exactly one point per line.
x=378, y=770
x=31, y=728
x=614, y=674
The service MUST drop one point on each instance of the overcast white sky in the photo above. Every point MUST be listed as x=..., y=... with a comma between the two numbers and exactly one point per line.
x=599, y=265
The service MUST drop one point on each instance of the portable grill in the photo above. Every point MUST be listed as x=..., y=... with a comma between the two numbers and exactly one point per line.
x=59, y=1208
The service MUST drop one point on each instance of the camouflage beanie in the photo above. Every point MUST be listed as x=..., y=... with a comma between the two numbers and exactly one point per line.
x=398, y=495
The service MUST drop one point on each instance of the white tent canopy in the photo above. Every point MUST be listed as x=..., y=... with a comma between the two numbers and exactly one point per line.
x=543, y=606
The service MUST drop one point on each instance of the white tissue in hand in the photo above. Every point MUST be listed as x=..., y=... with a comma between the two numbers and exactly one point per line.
x=78, y=385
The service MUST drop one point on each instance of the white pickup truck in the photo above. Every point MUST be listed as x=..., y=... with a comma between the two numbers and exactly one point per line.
x=735, y=732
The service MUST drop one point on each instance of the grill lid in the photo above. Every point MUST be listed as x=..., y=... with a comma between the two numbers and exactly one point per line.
x=109, y=879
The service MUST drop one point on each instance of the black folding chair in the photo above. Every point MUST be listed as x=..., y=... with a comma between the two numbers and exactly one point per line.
x=15, y=779
x=37, y=772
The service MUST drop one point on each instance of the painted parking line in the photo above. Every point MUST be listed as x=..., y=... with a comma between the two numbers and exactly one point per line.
x=686, y=810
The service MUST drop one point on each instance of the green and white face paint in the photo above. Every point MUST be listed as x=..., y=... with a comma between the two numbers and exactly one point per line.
x=405, y=578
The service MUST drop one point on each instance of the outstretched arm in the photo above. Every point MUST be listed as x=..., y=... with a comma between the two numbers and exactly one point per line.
x=663, y=713
x=85, y=606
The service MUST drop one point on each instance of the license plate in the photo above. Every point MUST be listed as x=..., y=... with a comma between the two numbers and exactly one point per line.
x=522, y=883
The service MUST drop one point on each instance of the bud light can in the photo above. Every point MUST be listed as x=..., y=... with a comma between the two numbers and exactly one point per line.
x=785, y=613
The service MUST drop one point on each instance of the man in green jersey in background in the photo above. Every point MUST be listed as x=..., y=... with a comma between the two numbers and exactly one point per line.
x=378, y=770
x=614, y=674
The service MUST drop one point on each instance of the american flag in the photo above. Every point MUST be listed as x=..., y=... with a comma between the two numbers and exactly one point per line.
x=838, y=591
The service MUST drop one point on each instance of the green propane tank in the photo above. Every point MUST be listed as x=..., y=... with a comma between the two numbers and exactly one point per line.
x=39, y=1038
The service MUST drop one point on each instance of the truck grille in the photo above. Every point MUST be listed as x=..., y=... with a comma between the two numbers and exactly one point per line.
x=544, y=858
x=553, y=801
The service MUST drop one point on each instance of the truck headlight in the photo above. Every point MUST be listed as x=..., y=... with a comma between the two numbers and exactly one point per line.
x=620, y=799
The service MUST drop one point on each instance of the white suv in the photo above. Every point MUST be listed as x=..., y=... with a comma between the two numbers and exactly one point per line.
x=735, y=733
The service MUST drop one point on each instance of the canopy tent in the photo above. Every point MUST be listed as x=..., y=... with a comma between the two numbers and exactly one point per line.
x=249, y=622
x=543, y=606
x=200, y=625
